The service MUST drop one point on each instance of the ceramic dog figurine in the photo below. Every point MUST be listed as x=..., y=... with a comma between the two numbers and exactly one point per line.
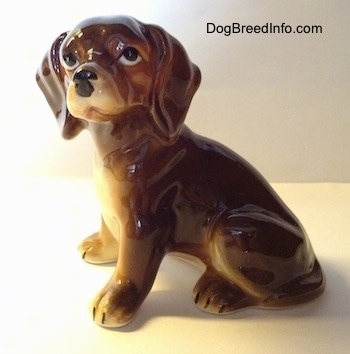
x=164, y=189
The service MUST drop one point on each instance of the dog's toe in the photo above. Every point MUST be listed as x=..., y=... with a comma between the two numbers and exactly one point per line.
x=94, y=250
x=217, y=295
x=116, y=305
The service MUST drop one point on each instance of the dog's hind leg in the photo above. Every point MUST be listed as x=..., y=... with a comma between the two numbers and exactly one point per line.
x=215, y=294
x=100, y=247
x=257, y=259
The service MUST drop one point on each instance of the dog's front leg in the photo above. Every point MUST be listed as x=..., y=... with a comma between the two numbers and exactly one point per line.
x=138, y=263
x=100, y=247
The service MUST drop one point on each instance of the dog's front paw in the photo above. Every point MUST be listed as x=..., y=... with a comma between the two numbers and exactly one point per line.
x=116, y=304
x=217, y=295
x=95, y=249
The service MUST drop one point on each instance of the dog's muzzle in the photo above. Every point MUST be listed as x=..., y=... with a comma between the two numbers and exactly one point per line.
x=82, y=82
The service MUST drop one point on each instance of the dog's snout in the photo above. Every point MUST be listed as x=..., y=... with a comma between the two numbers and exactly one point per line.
x=82, y=82
x=84, y=75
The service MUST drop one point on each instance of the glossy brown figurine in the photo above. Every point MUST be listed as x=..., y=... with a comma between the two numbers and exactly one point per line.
x=162, y=187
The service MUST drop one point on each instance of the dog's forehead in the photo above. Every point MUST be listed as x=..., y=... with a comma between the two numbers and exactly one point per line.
x=98, y=29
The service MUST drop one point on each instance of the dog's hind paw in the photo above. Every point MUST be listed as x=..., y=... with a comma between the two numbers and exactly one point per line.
x=217, y=295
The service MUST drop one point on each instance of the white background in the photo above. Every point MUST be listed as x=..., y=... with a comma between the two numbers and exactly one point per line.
x=281, y=101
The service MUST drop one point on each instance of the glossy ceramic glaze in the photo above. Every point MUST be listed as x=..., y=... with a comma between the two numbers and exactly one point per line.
x=162, y=187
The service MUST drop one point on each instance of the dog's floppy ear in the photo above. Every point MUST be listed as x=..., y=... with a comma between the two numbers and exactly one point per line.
x=50, y=78
x=176, y=81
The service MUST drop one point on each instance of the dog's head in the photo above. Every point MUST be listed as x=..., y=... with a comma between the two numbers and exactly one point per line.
x=107, y=67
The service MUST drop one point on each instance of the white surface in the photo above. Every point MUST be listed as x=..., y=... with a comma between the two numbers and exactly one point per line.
x=281, y=101
x=46, y=287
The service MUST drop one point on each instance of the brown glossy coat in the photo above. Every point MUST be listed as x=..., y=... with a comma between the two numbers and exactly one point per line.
x=162, y=187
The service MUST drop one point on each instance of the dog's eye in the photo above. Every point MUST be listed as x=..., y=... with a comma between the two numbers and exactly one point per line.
x=70, y=60
x=130, y=56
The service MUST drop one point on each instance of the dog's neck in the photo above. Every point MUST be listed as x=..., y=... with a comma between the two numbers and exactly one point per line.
x=104, y=141
x=124, y=137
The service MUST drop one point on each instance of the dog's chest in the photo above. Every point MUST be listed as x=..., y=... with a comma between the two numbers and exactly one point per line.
x=114, y=196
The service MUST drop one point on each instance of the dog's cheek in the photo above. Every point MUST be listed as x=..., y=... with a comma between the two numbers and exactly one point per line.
x=107, y=99
x=75, y=104
x=143, y=80
x=141, y=86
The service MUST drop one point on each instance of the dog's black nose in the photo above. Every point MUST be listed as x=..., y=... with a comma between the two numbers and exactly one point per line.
x=82, y=82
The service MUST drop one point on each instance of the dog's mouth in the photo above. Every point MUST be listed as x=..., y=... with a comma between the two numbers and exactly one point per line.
x=92, y=113
x=96, y=100
x=95, y=113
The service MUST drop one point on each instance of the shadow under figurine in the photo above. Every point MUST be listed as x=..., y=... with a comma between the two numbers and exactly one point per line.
x=162, y=187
